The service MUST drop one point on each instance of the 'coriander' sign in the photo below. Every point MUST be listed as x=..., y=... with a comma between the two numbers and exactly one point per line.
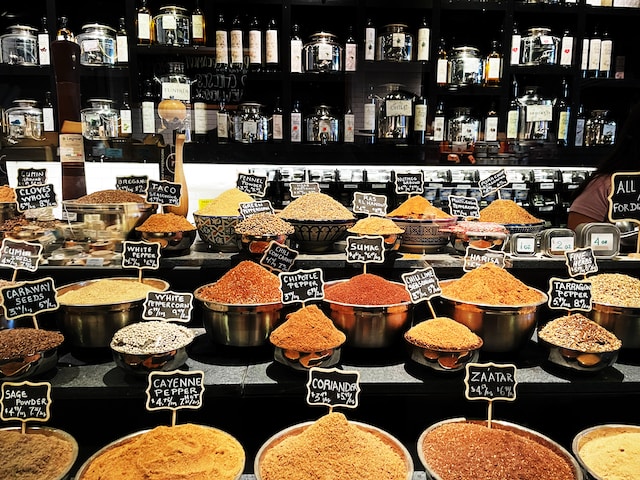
x=301, y=285
x=141, y=255
x=581, y=261
x=25, y=401
x=333, y=387
x=569, y=294
x=175, y=390
x=254, y=185
x=490, y=381
x=422, y=284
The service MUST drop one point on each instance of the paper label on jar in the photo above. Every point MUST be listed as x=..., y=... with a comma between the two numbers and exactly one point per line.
x=296, y=56
x=602, y=241
x=515, y=49
x=397, y=108
x=539, y=113
x=566, y=53
x=398, y=40
x=249, y=127
x=178, y=91
x=546, y=39
x=325, y=52
x=169, y=22
x=92, y=45
x=470, y=65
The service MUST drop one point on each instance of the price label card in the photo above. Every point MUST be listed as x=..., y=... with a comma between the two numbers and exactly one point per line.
x=251, y=208
x=333, y=387
x=31, y=176
x=602, y=241
x=581, y=261
x=493, y=183
x=490, y=381
x=569, y=294
x=20, y=255
x=163, y=192
x=422, y=284
x=35, y=196
x=301, y=285
x=29, y=298
x=168, y=306
x=298, y=189
x=411, y=183
x=278, y=257
x=25, y=401
x=175, y=390
x=464, y=207
x=133, y=184
x=365, y=249
x=254, y=185
x=624, y=199
x=474, y=257
x=369, y=204
x=143, y=255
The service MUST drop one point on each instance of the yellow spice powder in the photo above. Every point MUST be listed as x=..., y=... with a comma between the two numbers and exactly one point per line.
x=507, y=212
x=227, y=204
x=615, y=455
x=375, y=226
x=106, y=291
x=443, y=333
x=418, y=207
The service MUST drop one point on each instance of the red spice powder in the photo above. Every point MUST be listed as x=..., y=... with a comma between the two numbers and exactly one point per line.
x=367, y=289
x=248, y=283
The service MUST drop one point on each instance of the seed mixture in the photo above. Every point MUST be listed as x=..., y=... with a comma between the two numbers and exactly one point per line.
x=107, y=291
x=614, y=453
x=248, y=283
x=316, y=206
x=442, y=333
x=23, y=342
x=375, y=226
x=615, y=289
x=152, y=337
x=307, y=330
x=7, y=194
x=17, y=223
x=227, y=204
x=507, y=212
x=110, y=196
x=367, y=289
x=264, y=223
x=166, y=223
x=577, y=332
x=418, y=207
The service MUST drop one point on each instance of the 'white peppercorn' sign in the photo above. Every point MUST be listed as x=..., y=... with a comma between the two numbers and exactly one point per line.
x=624, y=199
x=163, y=192
x=254, y=185
x=493, y=183
x=251, y=208
x=422, y=284
x=29, y=298
x=301, y=285
x=35, y=196
x=369, y=203
x=569, y=294
x=411, y=183
x=475, y=257
x=141, y=255
x=490, y=381
x=464, y=207
x=333, y=387
x=133, y=183
x=365, y=249
x=175, y=390
x=168, y=306
x=298, y=189
x=20, y=255
x=581, y=261
x=31, y=176
x=278, y=257
x=25, y=401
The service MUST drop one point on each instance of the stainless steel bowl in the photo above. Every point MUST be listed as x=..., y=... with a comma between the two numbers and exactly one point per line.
x=524, y=227
x=28, y=366
x=151, y=362
x=577, y=360
x=318, y=236
x=623, y=322
x=219, y=233
x=8, y=210
x=442, y=360
x=422, y=235
x=256, y=245
x=172, y=244
x=306, y=360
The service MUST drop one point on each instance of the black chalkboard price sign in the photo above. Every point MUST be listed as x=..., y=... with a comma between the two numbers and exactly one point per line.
x=25, y=401
x=569, y=294
x=133, y=183
x=251, y=208
x=490, y=381
x=20, y=255
x=464, y=207
x=298, y=189
x=175, y=390
x=581, y=261
x=493, y=183
x=474, y=257
x=301, y=285
x=422, y=284
x=369, y=204
x=624, y=199
x=333, y=387
x=163, y=192
x=168, y=306
x=141, y=255
x=278, y=257
x=411, y=183
x=254, y=185
x=29, y=298
x=35, y=196
x=31, y=176
x=365, y=249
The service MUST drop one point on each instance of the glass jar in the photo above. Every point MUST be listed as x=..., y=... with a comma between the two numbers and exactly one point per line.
x=97, y=45
x=599, y=129
x=536, y=115
x=99, y=120
x=539, y=47
x=466, y=66
x=395, y=43
x=395, y=113
x=322, y=54
x=462, y=129
x=250, y=124
x=19, y=46
x=23, y=120
x=172, y=26
x=322, y=127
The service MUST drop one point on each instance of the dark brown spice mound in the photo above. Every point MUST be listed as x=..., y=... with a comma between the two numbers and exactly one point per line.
x=367, y=289
x=22, y=342
x=110, y=196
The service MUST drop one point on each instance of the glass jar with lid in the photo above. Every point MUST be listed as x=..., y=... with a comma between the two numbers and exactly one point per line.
x=250, y=124
x=539, y=47
x=322, y=127
x=99, y=120
x=536, y=115
x=172, y=26
x=395, y=43
x=395, y=113
x=97, y=45
x=462, y=129
x=599, y=129
x=466, y=66
x=23, y=120
x=322, y=53
x=19, y=46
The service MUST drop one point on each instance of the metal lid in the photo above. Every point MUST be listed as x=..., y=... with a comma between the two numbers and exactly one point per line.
x=173, y=8
x=323, y=35
x=97, y=26
x=22, y=28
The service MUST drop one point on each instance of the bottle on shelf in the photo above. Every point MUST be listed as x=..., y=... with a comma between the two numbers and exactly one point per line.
x=271, y=42
x=513, y=114
x=442, y=64
x=438, y=125
x=277, y=122
x=370, y=115
x=296, y=49
x=584, y=59
x=44, y=52
x=198, y=26
x=567, y=46
x=420, y=119
x=48, y=117
x=516, y=42
x=491, y=124
x=143, y=24
x=424, y=41
x=370, y=41
x=148, y=107
x=563, y=115
x=349, y=126
x=122, y=43
x=350, y=52
x=126, y=124
x=296, y=123
x=222, y=121
x=64, y=33
x=255, y=45
x=200, y=117
x=581, y=120
x=236, y=39
x=493, y=66
x=222, y=44
x=606, y=55
x=595, y=45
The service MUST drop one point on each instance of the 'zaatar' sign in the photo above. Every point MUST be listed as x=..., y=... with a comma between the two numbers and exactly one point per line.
x=168, y=306
x=490, y=381
x=301, y=285
x=422, y=284
x=175, y=390
x=25, y=401
x=333, y=387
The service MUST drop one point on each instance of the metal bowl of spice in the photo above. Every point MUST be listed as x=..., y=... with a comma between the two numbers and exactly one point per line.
x=28, y=352
x=259, y=230
x=385, y=227
x=174, y=233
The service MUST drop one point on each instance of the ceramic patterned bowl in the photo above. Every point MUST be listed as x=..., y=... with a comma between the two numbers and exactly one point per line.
x=318, y=236
x=219, y=233
x=422, y=235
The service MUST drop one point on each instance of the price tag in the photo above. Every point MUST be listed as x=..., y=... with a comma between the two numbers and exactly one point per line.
x=474, y=257
x=581, y=261
x=31, y=176
x=168, y=305
x=254, y=185
x=20, y=255
x=602, y=241
x=301, y=285
x=29, y=298
x=624, y=199
x=298, y=189
x=411, y=183
x=569, y=294
x=365, y=249
x=163, y=192
x=333, y=387
x=464, y=207
x=133, y=184
x=25, y=401
x=251, y=208
x=493, y=183
x=490, y=381
x=278, y=257
x=143, y=255
x=35, y=196
x=561, y=244
x=369, y=204
x=175, y=390
x=422, y=284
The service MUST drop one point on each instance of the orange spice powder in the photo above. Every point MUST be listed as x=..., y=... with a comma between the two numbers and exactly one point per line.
x=166, y=222
x=443, y=333
x=367, y=289
x=307, y=330
x=248, y=283
x=507, y=212
x=418, y=207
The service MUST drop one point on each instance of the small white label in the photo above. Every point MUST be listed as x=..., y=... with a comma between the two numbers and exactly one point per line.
x=144, y=29
x=249, y=128
x=512, y=123
x=605, y=55
x=563, y=126
x=423, y=44
x=296, y=127
x=200, y=118
x=169, y=22
x=148, y=117
x=584, y=61
x=525, y=245
x=594, y=54
x=177, y=91
x=491, y=129
x=223, y=125
x=271, y=41
x=602, y=241
x=44, y=55
x=515, y=49
x=349, y=128
x=255, y=47
x=122, y=49
x=91, y=45
x=325, y=52
x=566, y=52
x=126, y=126
x=222, y=48
x=296, y=56
x=398, y=40
x=438, y=129
x=398, y=108
x=579, y=139
x=442, y=71
x=237, y=55
x=539, y=113
x=495, y=68
x=197, y=26
x=47, y=117
x=369, y=117
x=350, y=57
x=420, y=121
x=370, y=44
x=561, y=244
x=276, y=120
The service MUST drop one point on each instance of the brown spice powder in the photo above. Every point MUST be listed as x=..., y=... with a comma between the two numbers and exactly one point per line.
x=307, y=330
x=443, y=333
x=247, y=283
x=316, y=206
x=23, y=342
x=7, y=194
x=110, y=196
x=577, y=332
x=507, y=212
x=418, y=207
x=166, y=222
x=375, y=226
x=367, y=289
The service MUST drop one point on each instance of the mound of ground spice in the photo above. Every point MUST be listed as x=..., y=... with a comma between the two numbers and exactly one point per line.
x=316, y=206
x=307, y=330
x=418, y=207
x=106, y=291
x=110, y=196
x=443, y=333
x=367, y=289
x=227, y=204
x=248, y=283
x=264, y=223
x=577, y=332
x=166, y=223
x=7, y=194
x=465, y=450
x=612, y=452
x=615, y=289
x=181, y=452
x=23, y=342
x=507, y=212
x=490, y=285
x=332, y=447
x=375, y=226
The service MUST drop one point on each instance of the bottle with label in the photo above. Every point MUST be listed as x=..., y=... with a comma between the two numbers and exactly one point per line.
x=48, y=117
x=143, y=24
x=513, y=114
x=148, y=107
x=222, y=44
x=516, y=42
x=606, y=56
x=222, y=120
x=126, y=124
x=420, y=119
x=581, y=120
x=64, y=33
x=493, y=66
x=491, y=125
x=349, y=126
x=255, y=45
x=271, y=41
x=370, y=115
x=439, y=123
x=595, y=45
x=442, y=65
x=277, y=122
x=200, y=118
x=296, y=123
x=350, y=52
x=296, y=49
x=44, y=53
x=424, y=41
x=122, y=43
x=236, y=38
x=584, y=60
x=370, y=41
x=567, y=46
x=564, y=115
x=198, y=26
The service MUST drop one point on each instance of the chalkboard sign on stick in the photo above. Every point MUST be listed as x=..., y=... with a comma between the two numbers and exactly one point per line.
x=29, y=298
x=25, y=401
x=31, y=176
x=493, y=183
x=624, y=199
x=569, y=294
x=175, y=390
x=278, y=257
x=490, y=381
x=301, y=285
x=251, y=208
x=20, y=255
x=365, y=249
x=422, y=284
x=133, y=184
x=464, y=207
x=35, y=196
x=168, y=306
x=163, y=192
x=411, y=183
x=581, y=261
x=298, y=189
x=141, y=255
x=333, y=387
x=475, y=257
x=369, y=204
x=254, y=185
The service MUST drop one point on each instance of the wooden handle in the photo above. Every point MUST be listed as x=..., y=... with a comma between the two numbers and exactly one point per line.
x=183, y=208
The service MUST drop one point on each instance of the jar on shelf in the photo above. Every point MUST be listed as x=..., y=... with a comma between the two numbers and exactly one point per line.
x=97, y=45
x=599, y=129
x=322, y=127
x=172, y=26
x=395, y=113
x=323, y=53
x=539, y=47
x=536, y=115
x=250, y=124
x=466, y=66
x=462, y=129
x=23, y=120
x=99, y=120
x=19, y=46
x=395, y=43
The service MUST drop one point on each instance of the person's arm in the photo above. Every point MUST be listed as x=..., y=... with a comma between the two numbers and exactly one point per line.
x=574, y=219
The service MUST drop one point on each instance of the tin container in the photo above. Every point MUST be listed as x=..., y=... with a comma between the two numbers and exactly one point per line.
x=97, y=45
x=395, y=113
x=99, y=120
x=322, y=127
x=23, y=120
x=540, y=47
x=250, y=124
x=465, y=65
x=395, y=43
x=323, y=54
x=523, y=244
x=20, y=46
x=172, y=26
x=536, y=116
x=599, y=129
x=603, y=238
x=554, y=242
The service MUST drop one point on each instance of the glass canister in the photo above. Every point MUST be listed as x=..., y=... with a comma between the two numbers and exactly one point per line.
x=20, y=46
x=536, y=116
x=99, y=120
x=23, y=120
x=466, y=66
x=395, y=113
x=599, y=129
x=97, y=45
x=323, y=53
x=540, y=47
x=463, y=128
x=395, y=43
x=172, y=26
x=322, y=127
x=250, y=124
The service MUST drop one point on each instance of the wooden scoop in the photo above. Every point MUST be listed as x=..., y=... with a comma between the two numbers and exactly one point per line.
x=179, y=178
